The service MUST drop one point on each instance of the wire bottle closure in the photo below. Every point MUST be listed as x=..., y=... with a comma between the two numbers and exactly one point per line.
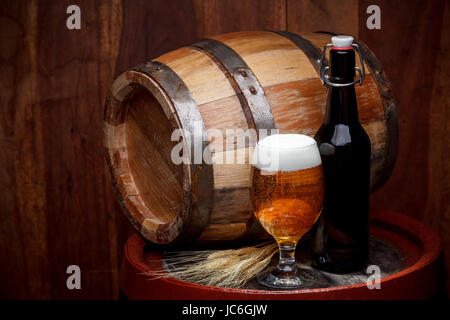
x=325, y=77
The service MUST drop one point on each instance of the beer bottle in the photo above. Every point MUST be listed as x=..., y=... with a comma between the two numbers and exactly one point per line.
x=342, y=235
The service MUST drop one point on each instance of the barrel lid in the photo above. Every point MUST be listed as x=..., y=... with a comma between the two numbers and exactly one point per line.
x=342, y=41
x=405, y=250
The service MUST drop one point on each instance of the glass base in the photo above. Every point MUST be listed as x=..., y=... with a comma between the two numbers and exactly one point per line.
x=300, y=280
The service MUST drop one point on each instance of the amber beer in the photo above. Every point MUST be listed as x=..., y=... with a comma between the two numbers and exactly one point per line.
x=287, y=194
x=287, y=189
x=287, y=204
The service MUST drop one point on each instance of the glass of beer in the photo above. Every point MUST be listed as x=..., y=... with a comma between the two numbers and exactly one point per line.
x=287, y=195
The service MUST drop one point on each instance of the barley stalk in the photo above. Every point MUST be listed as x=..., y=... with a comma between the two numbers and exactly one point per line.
x=231, y=268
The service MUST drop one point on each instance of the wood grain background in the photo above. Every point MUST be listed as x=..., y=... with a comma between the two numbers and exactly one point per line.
x=56, y=203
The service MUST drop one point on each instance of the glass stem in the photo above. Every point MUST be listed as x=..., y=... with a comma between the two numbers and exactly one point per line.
x=287, y=263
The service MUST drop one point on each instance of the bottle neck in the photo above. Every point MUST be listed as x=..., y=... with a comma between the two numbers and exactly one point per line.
x=341, y=105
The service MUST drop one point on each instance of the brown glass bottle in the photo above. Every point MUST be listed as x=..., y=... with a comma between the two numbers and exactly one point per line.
x=342, y=235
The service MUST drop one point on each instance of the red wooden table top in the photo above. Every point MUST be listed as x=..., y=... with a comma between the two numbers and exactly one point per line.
x=420, y=278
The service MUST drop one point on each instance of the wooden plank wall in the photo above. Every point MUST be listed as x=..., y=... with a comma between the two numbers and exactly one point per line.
x=413, y=46
x=56, y=204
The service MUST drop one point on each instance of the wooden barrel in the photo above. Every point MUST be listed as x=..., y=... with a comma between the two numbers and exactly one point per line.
x=406, y=251
x=243, y=80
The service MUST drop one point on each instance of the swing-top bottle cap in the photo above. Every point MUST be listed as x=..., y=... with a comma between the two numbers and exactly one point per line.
x=342, y=41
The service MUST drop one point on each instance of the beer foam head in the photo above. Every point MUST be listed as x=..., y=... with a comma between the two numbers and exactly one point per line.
x=286, y=152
